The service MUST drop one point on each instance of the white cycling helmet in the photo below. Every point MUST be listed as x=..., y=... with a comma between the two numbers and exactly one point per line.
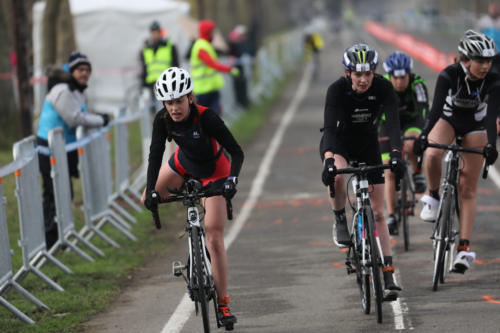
x=476, y=45
x=173, y=83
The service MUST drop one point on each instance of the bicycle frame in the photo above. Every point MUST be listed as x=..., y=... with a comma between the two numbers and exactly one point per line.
x=360, y=188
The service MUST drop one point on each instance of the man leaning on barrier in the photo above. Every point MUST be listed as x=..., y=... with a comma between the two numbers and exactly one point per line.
x=64, y=106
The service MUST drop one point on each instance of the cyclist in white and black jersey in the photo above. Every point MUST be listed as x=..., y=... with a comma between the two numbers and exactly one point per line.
x=466, y=101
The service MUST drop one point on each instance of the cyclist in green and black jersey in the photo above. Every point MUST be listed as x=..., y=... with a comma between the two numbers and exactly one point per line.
x=413, y=103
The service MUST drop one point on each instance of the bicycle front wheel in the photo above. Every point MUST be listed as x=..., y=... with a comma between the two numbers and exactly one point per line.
x=201, y=280
x=440, y=237
x=362, y=277
x=375, y=262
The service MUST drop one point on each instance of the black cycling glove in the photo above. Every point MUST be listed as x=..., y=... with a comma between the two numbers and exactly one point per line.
x=397, y=165
x=490, y=154
x=420, y=144
x=151, y=202
x=229, y=189
x=329, y=172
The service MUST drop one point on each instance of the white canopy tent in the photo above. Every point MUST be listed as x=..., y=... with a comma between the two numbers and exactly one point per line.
x=112, y=33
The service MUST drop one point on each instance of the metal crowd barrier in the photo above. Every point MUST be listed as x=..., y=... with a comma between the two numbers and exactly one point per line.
x=139, y=176
x=97, y=183
x=62, y=195
x=122, y=157
x=29, y=199
x=6, y=276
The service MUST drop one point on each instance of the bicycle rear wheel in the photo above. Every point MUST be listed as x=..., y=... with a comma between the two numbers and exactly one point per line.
x=201, y=280
x=375, y=262
x=405, y=206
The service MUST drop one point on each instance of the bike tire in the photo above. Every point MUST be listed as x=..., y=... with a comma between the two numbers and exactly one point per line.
x=405, y=206
x=362, y=278
x=375, y=263
x=449, y=245
x=202, y=297
x=441, y=236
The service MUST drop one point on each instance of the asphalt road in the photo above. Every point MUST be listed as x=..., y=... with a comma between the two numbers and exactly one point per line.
x=285, y=274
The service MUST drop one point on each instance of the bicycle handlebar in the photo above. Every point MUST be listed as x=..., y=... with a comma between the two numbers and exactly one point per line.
x=361, y=170
x=456, y=148
x=189, y=197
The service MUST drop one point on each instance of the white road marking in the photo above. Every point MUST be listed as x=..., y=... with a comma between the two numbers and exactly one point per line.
x=494, y=175
x=400, y=310
x=185, y=307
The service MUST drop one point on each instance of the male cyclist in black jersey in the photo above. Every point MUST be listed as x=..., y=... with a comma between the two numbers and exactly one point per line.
x=354, y=104
x=466, y=102
x=203, y=143
x=413, y=103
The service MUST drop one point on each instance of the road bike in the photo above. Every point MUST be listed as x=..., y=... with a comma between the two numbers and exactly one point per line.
x=197, y=272
x=446, y=227
x=364, y=256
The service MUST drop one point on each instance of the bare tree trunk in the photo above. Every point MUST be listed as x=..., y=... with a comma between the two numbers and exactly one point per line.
x=20, y=42
x=49, y=41
x=201, y=9
x=65, y=33
x=58, y=33
x=8, y=115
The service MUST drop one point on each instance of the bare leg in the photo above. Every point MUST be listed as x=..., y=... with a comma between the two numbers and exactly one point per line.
x=469, y=176
x=390, y=190
x=215, y=219
x=441, y=133
x=408, y=149
x=377, y=202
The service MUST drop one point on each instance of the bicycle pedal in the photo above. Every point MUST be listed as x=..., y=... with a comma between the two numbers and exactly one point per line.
x=177, y=268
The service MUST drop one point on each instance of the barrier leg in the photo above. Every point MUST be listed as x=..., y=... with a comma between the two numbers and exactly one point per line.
x=28, y=295
x=46, y=279
x=121, y=229
x=57, y=245
x=135, y=194
x=123, y=212
x=101, y=234
x=16, y=312
x=119, y=219
x=88, y=244
x=56, y=262
x=129, y=201
x=80, y=252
